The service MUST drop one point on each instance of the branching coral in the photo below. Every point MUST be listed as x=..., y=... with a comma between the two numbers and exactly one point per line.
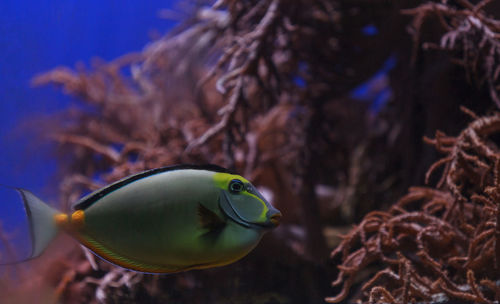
x=221, y=90
x=436, y=242
x=472, y=35
x=263, y=87
x=168, y=112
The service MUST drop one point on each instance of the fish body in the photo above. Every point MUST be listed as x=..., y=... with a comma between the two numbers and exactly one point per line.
x=164, y=220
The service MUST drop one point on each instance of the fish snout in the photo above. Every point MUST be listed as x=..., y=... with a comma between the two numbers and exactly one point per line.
x=275, y=218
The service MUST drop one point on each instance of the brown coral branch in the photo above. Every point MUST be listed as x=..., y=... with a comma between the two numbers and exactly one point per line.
x=471, y=37
x=91, y=144
x=452, y=228
x=380, y=294
x=227, y=113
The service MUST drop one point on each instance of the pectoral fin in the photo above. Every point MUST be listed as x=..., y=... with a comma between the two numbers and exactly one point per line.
x=209, y=219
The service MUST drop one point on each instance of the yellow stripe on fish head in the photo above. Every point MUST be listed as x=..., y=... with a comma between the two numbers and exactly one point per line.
x=223, y=180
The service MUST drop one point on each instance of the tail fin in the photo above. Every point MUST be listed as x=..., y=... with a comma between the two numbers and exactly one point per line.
x=41, y=220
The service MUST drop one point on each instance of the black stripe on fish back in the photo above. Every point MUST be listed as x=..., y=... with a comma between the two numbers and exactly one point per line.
x=95, y=196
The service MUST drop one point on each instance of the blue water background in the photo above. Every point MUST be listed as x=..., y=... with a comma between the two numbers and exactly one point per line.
x=36, y=36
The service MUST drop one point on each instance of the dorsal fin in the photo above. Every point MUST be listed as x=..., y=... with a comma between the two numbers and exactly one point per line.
x=88, y=200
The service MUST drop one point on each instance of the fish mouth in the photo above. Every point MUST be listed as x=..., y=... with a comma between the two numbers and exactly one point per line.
x=276, y=219
x=228, y=209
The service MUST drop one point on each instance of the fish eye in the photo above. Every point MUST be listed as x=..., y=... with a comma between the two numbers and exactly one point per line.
x=236, y=186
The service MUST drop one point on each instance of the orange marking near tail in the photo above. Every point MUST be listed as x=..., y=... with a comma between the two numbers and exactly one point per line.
x=78, y=219
x=61, y=219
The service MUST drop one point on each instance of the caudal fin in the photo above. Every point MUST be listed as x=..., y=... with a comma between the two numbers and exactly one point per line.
x=41, y=222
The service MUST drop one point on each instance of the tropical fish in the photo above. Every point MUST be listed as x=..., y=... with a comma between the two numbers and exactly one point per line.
x=164, y=220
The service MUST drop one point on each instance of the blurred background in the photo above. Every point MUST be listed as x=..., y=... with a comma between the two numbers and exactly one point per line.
x=35, y=37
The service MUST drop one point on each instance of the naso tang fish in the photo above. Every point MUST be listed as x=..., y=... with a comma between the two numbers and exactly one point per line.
x=163, y=220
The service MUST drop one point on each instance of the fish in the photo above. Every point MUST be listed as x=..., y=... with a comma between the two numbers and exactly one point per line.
x=164, y=220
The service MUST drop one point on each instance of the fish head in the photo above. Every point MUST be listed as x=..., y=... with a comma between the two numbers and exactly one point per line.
x=243, y=203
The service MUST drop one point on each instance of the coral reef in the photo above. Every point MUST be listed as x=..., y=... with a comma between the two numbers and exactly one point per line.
x=436, y=243
x=265, y=87
x=471, y=37
x=221, y=90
